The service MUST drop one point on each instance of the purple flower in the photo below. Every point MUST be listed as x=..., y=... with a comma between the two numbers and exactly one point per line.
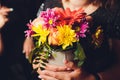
x=83, y=28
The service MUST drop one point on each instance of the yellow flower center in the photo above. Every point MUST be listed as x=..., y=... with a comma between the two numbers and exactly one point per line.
x=50, y=21
x=77, y=28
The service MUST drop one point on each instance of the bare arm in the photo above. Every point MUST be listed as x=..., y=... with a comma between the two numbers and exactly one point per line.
x=3, y=15
x=3, y=19
x=28, y=46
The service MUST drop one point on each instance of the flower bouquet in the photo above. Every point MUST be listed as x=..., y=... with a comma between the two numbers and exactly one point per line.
x=57, y=33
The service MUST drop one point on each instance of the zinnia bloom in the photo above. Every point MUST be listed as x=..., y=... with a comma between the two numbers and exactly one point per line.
x=68, y=17
x=83, y=27
x=50, y=17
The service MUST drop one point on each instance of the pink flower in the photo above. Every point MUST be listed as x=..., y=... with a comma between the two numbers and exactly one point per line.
x=50, y=17
x=28, y=33
x=29, y=25
x=83, y=29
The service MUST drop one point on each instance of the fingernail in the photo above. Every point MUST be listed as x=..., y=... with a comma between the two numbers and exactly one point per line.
x=42, y=68
x=26, y=57
x=43, y=64
x=11, y=9
x=23, y=51
x=68, y=69
x=39, y=77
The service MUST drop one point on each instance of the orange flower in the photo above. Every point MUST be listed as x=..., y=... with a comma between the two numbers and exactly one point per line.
x=52, y=39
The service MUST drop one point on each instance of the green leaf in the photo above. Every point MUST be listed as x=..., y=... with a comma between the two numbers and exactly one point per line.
x=34, y=70
x=43, y=64
x=79, y=54
x=80, y=63
x=38, y=58
x=44, y=60
x=41, y=68
x=30, y=57
x=36, y=62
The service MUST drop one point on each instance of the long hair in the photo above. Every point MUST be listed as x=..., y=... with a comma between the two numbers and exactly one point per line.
x=111, y=4
x=96, y=2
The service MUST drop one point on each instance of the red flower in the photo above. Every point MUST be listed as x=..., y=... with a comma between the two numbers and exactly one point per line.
x=68, y=17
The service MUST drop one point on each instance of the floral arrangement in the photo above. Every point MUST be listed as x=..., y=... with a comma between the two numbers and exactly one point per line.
x=60, y=30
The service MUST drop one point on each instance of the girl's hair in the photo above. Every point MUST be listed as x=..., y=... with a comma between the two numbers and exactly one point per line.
x=96, y=2
x=111, y=4
x=105, y=3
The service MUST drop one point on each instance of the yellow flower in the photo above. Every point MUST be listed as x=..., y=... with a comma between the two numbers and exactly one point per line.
x=41, y=32
x=66, y=36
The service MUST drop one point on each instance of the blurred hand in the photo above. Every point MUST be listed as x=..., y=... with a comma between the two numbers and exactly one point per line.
x=3, y=15
x=28, y=46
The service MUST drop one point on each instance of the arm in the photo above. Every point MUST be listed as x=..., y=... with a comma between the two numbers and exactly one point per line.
x=28, y=46
x=3, y=19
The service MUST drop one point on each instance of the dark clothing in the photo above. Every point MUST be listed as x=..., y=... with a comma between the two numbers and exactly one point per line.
x=52, y=4
x=115, y=23
x=105, y=56
x=14, y=66
x=98, y=58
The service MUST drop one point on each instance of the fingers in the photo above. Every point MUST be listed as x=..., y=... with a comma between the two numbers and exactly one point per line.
x=3, y=20
x=27, y=51
x=44, y=77
x=3, y=15
x=68, y=67
x=4, y=10
x=65, y=75
x=46, y=74
x=70, y=64
x=28, y=46
x=55, y=68
x=76, y=73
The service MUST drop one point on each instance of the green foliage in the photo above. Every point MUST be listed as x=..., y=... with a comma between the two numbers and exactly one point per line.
x=79, y=55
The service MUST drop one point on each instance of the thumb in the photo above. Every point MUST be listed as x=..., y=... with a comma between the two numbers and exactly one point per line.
x=70, y=64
